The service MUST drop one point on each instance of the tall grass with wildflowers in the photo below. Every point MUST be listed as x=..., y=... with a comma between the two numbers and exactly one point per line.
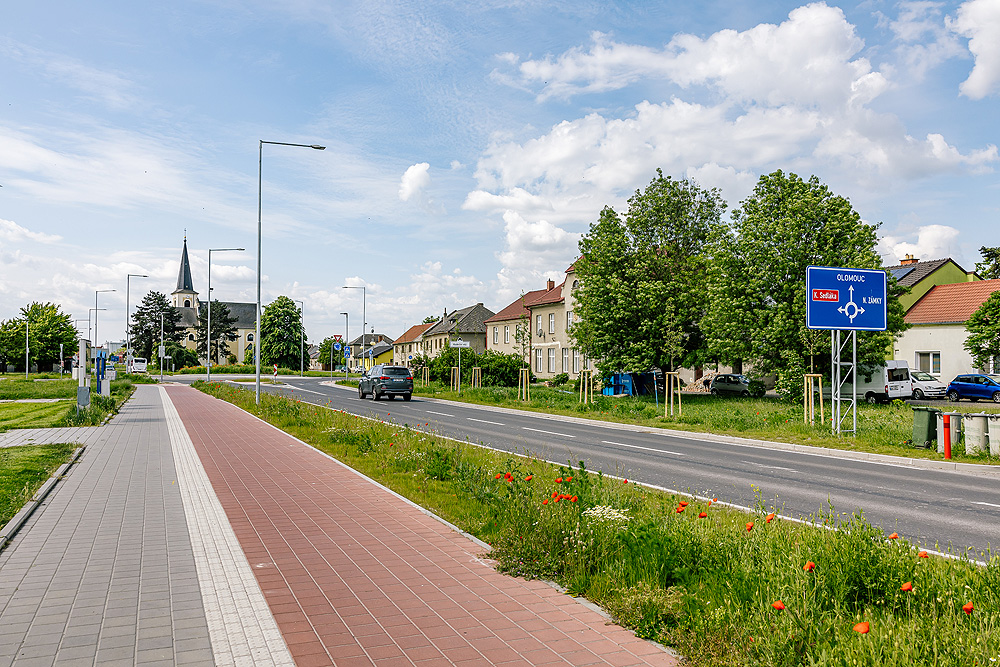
x=723, y=587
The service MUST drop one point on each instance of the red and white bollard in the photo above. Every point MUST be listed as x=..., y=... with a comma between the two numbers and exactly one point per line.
x=946, y=427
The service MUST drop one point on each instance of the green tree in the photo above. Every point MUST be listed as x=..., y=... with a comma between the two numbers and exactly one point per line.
x=757, y=297
x=983, y=342
x=145, y=329
x=989, y=268
x=180, y=356
x=48, y=326
x=281, y=334
x=642, y=278
x=430, y=319
x=324, y=352
x=224, y=331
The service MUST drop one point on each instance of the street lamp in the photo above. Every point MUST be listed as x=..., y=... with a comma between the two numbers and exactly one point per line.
x=128, y=317
x=260, y=189
x=364, y=315
x=209, y=325
x=89, y=311
x=347, y=338
x=27, y=361
x=96, y=292
x=302, y=337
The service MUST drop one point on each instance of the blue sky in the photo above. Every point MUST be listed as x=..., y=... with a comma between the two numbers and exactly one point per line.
x=468, y=144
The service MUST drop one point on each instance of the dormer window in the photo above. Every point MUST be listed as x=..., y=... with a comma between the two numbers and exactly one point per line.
x=249, y=337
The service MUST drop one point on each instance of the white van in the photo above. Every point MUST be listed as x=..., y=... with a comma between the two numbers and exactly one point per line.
x=884, y=383
x=139, y=365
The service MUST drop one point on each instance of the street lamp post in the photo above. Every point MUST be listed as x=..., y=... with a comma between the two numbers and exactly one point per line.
x=347, y=338
x=89, y=311
x=364, y=315
x=260, y=190
x=27, y=361
x=128, y=317
x=208, y=333
x=96, y=292
x=302, y=337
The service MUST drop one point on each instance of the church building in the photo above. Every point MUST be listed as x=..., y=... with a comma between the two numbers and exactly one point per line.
x=185, y=300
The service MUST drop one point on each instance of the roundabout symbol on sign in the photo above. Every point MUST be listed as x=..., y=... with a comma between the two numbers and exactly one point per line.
x=851, y=309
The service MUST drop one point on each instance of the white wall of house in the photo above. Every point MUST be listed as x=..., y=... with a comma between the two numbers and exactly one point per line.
x=936, y=348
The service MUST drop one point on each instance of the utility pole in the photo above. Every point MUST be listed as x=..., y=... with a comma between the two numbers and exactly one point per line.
x=160, y=351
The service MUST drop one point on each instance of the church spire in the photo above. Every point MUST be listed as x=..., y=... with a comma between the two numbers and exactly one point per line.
x=184, y=282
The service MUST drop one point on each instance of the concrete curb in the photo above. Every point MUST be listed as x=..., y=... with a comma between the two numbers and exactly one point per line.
x=867, y=457
x=8, y=531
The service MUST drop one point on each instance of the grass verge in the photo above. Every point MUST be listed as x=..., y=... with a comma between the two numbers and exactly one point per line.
x=882, y=429
x=23, y=470
x=687, y=572
x=32, y=415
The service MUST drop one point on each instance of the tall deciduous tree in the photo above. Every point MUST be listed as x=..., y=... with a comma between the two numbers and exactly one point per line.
x=757, y=289
x=989, y=268
x=983, y=342
x=642, y=277
x=224, y=331
x=281, y=333
x=48, y=326
x=145, y=330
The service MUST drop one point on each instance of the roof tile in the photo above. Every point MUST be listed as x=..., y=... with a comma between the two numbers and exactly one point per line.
x=952, y=304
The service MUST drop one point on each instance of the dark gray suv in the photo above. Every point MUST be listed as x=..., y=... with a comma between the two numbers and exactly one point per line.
x=385, y=380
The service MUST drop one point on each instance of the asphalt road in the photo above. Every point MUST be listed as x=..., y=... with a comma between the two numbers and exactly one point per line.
x=941, y=510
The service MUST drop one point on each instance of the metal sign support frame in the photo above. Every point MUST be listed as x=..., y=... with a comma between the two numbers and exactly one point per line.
x=843, y=372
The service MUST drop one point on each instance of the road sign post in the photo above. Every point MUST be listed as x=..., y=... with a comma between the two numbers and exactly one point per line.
x=842, y=299
x=459, y=343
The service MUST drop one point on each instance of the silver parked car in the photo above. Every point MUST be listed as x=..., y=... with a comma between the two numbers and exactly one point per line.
x=730, y=384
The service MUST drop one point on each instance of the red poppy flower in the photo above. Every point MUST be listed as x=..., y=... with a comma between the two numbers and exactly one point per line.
x=569, y=479
x=499, y=475
x=769, y=518
x=908, y=586
x=528, y=478
x=923, y=554
x=545, y=502
x=558, y=498
x=683, y=503
x=779, y=605
x=749, y=526
x=703, y=515
x=508, y=477
x=558, y=480
x=862, y=628
x=573, y=499
x=680, y=509
x=967, y=607
x=554, y=494
x=391, y=444
x=624, y=481
x=809, y=566
x=715, y=500
x=894, y=536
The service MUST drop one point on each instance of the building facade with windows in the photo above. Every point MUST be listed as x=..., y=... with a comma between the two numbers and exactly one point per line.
x=467, y=323
x=935, y=342
x=408, y=346
x=503, y=329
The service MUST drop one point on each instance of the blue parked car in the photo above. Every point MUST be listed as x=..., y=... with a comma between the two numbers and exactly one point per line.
x=974, y=387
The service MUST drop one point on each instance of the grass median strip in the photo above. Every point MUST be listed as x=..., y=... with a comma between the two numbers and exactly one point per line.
x=685, y=571
x=23, y=470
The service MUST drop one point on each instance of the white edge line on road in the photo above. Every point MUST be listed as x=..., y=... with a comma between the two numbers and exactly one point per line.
x=307, y=390
x=538, y=430
x=648, y=449
x=483, y=421
x=443, y=414
x=988, y=504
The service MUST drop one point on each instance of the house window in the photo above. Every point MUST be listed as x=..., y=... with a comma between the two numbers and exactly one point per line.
x=576, y=360
x=538, y=360
x=190, y=336
x=249, y=337
x=506, y=334
x=565, y=365
x=496, y=335
x=538, y=324
x=569, y=319
x=552, y=360
x=187, y=303
x=552, y=323
x=576, y=283
x=929, y=362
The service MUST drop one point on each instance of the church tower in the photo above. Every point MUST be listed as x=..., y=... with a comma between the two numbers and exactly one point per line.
x=185, y=296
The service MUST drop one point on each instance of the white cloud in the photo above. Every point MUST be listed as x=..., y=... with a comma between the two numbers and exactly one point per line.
x=932, y=242
x=12, y=232
x=979, y=20
x=414, y=180
x=533, y=252
x=924, y=39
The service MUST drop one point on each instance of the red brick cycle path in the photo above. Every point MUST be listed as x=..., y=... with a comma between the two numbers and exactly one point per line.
x=354, y=575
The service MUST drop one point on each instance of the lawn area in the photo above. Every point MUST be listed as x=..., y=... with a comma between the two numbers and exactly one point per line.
x=23, y=470
x=33, y=415
x=882, y=429
x=721, y=586
x=19, y=388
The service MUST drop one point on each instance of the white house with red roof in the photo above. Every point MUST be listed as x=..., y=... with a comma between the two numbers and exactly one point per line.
x=935, y=342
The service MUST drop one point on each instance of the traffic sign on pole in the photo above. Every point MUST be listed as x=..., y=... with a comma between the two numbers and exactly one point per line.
x=845, y=299
x=336, y=346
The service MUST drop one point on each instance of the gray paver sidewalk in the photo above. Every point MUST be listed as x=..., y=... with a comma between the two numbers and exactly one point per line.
x=103, y=572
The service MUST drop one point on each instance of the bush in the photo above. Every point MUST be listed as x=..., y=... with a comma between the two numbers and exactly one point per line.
x=757, y=388
x=560, y=379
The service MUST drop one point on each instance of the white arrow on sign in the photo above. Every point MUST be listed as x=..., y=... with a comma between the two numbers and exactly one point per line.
x=850, y=308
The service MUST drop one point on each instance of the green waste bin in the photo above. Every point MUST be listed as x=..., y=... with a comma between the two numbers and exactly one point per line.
x=924, y=425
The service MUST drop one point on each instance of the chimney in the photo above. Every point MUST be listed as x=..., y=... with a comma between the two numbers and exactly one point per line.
x=550, y=285
x=909, y=259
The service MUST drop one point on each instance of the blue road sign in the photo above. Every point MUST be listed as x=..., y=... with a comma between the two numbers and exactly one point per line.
x=347, y=352
x=845, y=299
x=336, y=346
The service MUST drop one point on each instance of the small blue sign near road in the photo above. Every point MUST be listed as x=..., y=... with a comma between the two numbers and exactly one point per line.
x=336, y=346
x=845, y=299
x=347, y=352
